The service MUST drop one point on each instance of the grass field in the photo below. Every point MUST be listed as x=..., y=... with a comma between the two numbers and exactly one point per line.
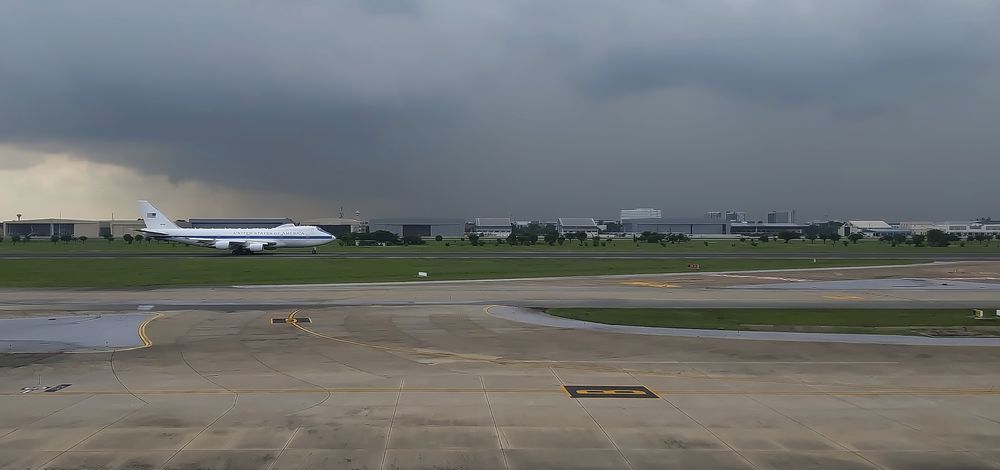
x=883, y=321
x=620, y=245
x=130, y=272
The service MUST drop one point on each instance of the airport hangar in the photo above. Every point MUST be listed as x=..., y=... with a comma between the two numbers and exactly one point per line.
x=420, y=226
x=73, y=227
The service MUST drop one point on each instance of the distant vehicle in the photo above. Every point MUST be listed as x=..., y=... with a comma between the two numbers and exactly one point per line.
x=241, y=241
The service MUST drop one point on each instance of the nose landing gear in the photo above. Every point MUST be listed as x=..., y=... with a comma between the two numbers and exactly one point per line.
x=314, y=250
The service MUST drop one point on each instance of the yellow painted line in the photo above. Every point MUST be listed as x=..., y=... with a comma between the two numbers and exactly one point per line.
x=650, y=284
x=143, y=336
x=146, y=342
x=417, y=352
x=843, y=297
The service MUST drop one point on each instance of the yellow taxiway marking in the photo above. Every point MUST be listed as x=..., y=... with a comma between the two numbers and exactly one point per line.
x=843, y=297
x=143, y=336
x=649, y=284
x=146, y=342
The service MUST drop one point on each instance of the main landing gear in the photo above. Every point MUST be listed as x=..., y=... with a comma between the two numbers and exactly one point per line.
x=242, y=251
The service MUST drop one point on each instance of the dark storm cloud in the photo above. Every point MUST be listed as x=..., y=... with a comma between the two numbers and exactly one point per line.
x=533, y=108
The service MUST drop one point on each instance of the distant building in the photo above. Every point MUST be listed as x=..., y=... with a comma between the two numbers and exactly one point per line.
x=781, y=217
x=239, y=222
x=499, y=227
x=728, y=216
x=48, y=227
x=955, y=228
x=419, y=226
x=685, y=225
x=756, y=229
x=640, y=213
x=337, y=226
x=871, y=228
x=587, y=225
x=119, y=228
x=916, y=227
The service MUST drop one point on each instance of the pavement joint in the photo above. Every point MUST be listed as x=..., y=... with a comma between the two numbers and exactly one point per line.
x=392, y=420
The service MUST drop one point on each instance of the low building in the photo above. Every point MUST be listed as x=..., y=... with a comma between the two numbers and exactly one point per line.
x=337, y=226
x=48, y=227
x=685, y=225
x=757, y=229
x=499, y=227
x=239, y=222
x=420, y=226
x=964, y=229
x=587, y=225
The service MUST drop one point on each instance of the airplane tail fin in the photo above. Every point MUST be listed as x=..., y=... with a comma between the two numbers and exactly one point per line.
x=153, y=217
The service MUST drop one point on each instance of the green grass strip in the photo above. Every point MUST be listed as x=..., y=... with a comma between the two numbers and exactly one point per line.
x=140, y=272
x=775, y=319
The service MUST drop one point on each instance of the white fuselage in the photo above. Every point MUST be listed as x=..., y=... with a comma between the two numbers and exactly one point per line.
x=252, y=239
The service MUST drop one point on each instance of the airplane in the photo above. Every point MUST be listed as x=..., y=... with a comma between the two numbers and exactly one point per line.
x=241, y=241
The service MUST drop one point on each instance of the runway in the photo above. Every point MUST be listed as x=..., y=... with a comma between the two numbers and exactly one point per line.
x=418, y=375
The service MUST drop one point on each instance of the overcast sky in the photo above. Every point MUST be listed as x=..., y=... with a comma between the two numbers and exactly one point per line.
x=536, y=109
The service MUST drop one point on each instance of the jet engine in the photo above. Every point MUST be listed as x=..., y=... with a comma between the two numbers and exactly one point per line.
x=255, y=247
x=222, y=245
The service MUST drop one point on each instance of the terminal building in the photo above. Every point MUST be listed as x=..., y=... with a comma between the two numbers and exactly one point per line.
x=685, y=225
x=420, y=226
x=499, y=227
